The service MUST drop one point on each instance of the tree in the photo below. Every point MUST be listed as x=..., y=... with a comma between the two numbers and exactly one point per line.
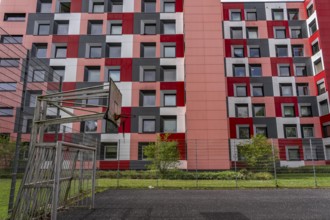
x=163, y=154
x=7, y=151
x=258, y=153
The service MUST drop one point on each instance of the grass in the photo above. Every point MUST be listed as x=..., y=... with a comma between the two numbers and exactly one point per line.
x=4, y=196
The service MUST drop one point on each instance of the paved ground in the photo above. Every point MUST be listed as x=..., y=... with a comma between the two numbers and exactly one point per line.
x=208, y=204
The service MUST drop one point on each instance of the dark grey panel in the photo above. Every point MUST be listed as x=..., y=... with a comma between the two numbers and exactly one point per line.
x=307, y=61
x=260, y=8
x=267, y=83
x=32, y=18
x=138, y=17
x=80, y=85
x=144, y=111
x=91, y=39
x=318, y=144
x=270, y=123
x=137, y=63
x=262, y=43
x=138, y=164
x=312, y=101
x=301, y=24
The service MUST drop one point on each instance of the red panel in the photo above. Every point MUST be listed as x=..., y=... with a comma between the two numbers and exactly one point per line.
x=51, y=137
x=239, y=121
x=228, y=6
x=125, y=122
x=237, y=80
x=113, y=165
x=229, y=43
x=72, y=42
x=283, y=100
x=178, y=39
x=179, y=5
x=68, y=86
x=275, y=61
x=76, y=6
x=181, y=139
x=282, y=143
x=127, y=19
x=125, y=67
x=272, y=24
x=179, y=87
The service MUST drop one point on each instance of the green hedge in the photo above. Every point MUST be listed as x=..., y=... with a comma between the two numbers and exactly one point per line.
x=304, y=169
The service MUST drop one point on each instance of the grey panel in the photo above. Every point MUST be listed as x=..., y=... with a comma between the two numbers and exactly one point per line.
x=138, y=17
x=137, y=63
x=267, y=83
x=301, y=24
x=318, y=144
x=259, y=7
x=144, y=111
x=90, y=39
x=262, y=43
x=270, y=123
x=312, y=101
x=45, y=17
x=138, y=164
x=304, y=60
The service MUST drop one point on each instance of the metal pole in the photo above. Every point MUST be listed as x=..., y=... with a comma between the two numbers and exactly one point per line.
x=19, y=136
x=314, y=171
x=196, y=163
x=235, y=164
x=274, y=164
x=56, y=187
x=93, y=179
x=118, y=163
x=58, y=110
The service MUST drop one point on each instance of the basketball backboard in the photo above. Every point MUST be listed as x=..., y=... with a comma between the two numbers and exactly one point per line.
x=114, y=105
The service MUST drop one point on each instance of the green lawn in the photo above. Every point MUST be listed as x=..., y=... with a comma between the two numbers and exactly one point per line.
x=4, y=196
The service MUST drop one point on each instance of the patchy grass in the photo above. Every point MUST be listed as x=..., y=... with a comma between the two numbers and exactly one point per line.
x=4, y=196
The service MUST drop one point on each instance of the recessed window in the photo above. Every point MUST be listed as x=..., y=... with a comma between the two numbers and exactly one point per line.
x=239, y=70
x=251, y=15
x=169, y=51
x=40, y=50
x=293, y=153
x=243, y=132
x=306, y=111
x=278, y=14
x=43, y=29
x=254, y=52
x=301, y=70
x=312, y=27
x=9, y=62
x=169, y=27
x=169, y=73
x=241, y=91
x=238, y=52
x=297, y=50
x=150, y=28
x=7, y=86
x=307, y=131
x=255, y=70
x=15, y=39
x=315, y=47
x=149, y=6
x=95, y=51
x=169, y=100
x=98, y=7
x=14, y=17
x=148, y=98
x=302, y=89
x=235, y=16
x=149, y=126
x=296, y=33
x=93, y=74
x=261, y=130
x=321, y=88
x=169, y=7
x=281, y=50
x=116, y=29
x=324, y=107
x=148, y=50
x=318, y=66
x=114, y=50
x=257, y=90
x=33, y=99
x=114, y=74
x=6, y=111
x=141, y=151
x=286, y=89
x=284, y=70
x=110, y=151
x=252, y=32
x=64, y=7
x=169, y=124
x=116, y=5
x=90, y=126
x=293, y=14
x=288, y=111
x=95, y=27
x=62, y=27
x=236, y=33
x=149, y=75
x=259, y=110
x=242, y=110
x=60, y=51
x=310, y=10
x=326, y=132
x=38, y=75
x=45, y=7
x=290, y=131
x=280, y=33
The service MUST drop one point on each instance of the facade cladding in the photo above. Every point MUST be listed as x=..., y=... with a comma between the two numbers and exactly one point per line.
x=205, y=71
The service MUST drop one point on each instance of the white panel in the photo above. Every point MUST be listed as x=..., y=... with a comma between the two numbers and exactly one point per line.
x=74, y=21
x=128, y=6
x=280, y=129
x=180, y=68
x=276, y=5
x=280, y=80
x=126, y=44
x=292, y=163
x=228, y=24
x=310, y=19
x=70, y=68
x=233, y=147
x=180, y=112
x=238, y=100
x=273, y=42
x=124, y=143
x=126, y=91
x=231, y=61
x=178, y=17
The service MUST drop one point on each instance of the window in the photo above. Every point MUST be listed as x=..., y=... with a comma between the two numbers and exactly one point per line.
x=93, y=74
x=261, y=130
x=114, y=50
x=110, y=151
x=288, y=111
x=15, y=39
x=149, y=75
x=169, y=124
x=278, y=14
x=169, y=74
x=242, y=110
x=312, y=27
x=297, y=50
x=321, y=88
x=60, y=51
x=243, y=132
x=95, y=27
x=90, y=126
x=326, y=130
x=98, y=7
x=252, y=32
x=254, y=52
x=281, y=50
x=62, y=27
x=284, y=70
x=296, y=33
x=149, y=6
x=307, y=131
x=148, y=50
x=169, y=100
x=7, y=86
x=65, y=7
x=241, y=91
x=310, y=10
x=141, y=151
x=38, y=75
x=236, y=33
x=148, y=98
x=149, y=28
x=43, y=29
x=235, y=16
x=6, y=112
x=324, y=107
x=239, y=70
x=114, y=74
x=301, y=70
x=33, y=99
x=149, y=126
x=259, y=110
x=9, y=62
x=302, y=89
x=169, y=7
x=280, y=33
x=14, y=17
x=95, y=52
x=293, y=14
x=290, y=131
x=258, y=90
x=310, y=153
x=58, y=71
x=52, y=128
x=318, y=66
x=169, y=51
x=315, y=48
x=251, y=15
x=116, y=29
x=169, y=27
x=286, y=89
x=45, y=7
x=293, y=153
x=116, y=5
x=306, y=111
x=255, y=70
x=238, y=52
x=40, y=50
